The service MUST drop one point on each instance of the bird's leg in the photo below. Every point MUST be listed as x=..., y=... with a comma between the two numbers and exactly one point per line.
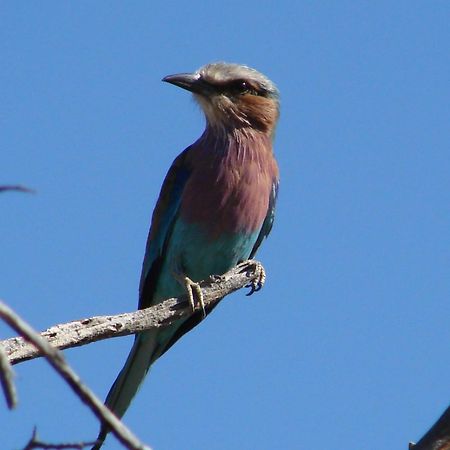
x=260, y=274
x=193, y=291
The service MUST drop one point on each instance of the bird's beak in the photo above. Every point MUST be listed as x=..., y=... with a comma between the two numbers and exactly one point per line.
x=190, y=81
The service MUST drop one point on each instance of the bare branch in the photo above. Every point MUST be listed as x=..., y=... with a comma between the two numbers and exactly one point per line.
x=81, y=332
x=85, y=331
x=56, y=359
x=437, y=437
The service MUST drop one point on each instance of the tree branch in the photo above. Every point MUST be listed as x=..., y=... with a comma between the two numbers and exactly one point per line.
x=85, y=331
x=31, y=344
x=56, y=360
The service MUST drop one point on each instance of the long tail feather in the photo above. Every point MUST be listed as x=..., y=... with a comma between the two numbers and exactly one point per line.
x=143, y=353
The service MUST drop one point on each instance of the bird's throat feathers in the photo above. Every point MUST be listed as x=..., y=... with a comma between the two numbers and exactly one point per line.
x=232, y=175
x=246, y=112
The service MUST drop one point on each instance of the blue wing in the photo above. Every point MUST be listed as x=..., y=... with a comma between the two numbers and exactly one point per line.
x=268, y=221
x=164, y=216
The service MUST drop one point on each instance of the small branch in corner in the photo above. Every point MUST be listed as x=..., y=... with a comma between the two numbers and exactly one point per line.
x=36, y=443
x=437, y=437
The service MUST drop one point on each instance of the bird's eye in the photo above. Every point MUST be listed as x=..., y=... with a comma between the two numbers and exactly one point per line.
x=243, y=87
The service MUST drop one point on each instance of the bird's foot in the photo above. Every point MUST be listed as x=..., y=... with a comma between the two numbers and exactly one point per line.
x=195, y=295
x=256, y=268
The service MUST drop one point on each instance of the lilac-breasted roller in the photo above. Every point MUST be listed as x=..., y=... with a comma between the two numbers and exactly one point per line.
x=215, y=207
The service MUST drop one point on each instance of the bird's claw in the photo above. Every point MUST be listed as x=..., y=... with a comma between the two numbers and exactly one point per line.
x=259, y=275
x=195, y=295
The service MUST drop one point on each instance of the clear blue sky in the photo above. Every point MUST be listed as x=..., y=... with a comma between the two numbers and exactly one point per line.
x=347, y=346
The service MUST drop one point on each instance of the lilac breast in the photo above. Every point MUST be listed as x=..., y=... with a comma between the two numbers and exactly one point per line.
x=229, y=187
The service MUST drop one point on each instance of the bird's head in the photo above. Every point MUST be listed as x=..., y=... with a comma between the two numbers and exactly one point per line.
x=232, y=96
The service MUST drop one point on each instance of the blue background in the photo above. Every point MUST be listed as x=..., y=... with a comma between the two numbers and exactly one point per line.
x=347, y=346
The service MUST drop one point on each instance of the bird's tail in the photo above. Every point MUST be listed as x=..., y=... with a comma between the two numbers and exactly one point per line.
x=143, y=353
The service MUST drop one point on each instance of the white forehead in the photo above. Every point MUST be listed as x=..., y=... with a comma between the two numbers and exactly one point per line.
x=221, y=72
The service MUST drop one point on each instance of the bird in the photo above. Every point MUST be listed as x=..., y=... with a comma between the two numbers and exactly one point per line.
x=215, y=207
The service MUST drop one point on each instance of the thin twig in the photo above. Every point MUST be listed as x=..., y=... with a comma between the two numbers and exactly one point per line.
x=17, y=188
x=85, y=331
x=56, y=359
x=6, y=380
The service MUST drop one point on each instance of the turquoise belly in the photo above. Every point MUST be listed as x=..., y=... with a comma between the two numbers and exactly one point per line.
x=195, y=255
